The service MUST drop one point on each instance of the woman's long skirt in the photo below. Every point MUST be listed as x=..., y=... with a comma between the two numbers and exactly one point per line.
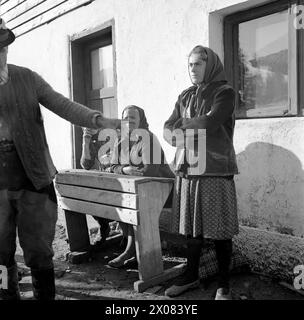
x=205, y=206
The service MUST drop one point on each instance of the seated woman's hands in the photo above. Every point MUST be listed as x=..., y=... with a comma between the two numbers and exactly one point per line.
x=132, y=171
x=108, y=169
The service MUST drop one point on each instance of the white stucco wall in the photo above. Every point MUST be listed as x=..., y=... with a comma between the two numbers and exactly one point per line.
x=153, y=39
x=270, y=186
x=152, y=43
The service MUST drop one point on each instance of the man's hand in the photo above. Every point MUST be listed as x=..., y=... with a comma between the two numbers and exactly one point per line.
x=109, y=123
x=132, y=171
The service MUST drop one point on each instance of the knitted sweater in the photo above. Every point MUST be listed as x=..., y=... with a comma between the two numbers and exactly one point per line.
x=27, y=90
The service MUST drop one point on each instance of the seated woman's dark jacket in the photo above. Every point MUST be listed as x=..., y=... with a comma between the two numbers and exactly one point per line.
x=144, y=150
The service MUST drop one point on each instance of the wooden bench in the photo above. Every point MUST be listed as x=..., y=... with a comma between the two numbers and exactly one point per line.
x=131, y=199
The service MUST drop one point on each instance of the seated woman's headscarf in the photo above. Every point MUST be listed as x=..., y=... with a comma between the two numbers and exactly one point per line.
x=143, y=123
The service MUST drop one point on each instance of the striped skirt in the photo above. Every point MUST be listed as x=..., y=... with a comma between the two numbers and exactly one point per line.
x=205, y=206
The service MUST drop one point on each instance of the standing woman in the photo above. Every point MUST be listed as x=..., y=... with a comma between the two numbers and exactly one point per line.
x=205, y=204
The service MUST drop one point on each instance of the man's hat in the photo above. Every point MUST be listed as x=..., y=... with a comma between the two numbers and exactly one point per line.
x=6, y=35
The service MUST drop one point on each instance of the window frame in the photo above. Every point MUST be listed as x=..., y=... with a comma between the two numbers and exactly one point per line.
x=102, y=93
x=295, y=53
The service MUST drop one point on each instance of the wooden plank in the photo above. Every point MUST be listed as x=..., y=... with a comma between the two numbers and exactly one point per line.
x=112, y=198
x=48, y=16
x=96, y=179
x=21, y=9
x=119, y=214
x=142, y=285
x=104, y=180
x=152, y=197
x=9, y=5
x=34, y=13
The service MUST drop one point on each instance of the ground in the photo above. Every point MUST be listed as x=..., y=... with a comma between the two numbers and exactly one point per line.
x=94, y=280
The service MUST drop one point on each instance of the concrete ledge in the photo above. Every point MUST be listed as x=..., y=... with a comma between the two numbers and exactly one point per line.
x=271, y=253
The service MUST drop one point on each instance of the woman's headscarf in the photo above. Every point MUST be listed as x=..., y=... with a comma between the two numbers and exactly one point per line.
x=214, y=77
x=143, y=123
x=214, y=68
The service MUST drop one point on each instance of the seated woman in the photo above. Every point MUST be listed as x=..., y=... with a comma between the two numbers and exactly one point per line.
x=136, y=158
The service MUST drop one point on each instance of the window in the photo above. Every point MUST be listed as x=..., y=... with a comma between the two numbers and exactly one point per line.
x=99, y=75
x=264, y=60
x=93, y=76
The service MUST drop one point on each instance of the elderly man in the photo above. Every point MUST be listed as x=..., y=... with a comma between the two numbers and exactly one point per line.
x=27, y=196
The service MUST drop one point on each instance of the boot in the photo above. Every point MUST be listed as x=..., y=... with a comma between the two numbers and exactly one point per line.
x=12, y=292
x=43, y=284
x=190, y=278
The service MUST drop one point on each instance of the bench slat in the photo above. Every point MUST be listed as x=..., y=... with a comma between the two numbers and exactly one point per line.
x=104, y=180
x=112, y=198
x=118, y=214
x=96, y=179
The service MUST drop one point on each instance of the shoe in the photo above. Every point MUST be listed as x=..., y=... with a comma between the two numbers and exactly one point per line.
x=121, y=263
x=223, y=294
x=178, y=289
x=116, y=263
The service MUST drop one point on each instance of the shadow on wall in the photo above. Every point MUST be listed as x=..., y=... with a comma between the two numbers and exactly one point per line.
x=270, y=189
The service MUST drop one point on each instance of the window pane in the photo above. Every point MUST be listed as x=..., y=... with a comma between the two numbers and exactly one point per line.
x=107, y=106
x=102, y=67
x=263, y=66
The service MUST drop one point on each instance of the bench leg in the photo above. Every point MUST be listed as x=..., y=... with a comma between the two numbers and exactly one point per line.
x=77, y=229
x=152, y=197
x=148, y=251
